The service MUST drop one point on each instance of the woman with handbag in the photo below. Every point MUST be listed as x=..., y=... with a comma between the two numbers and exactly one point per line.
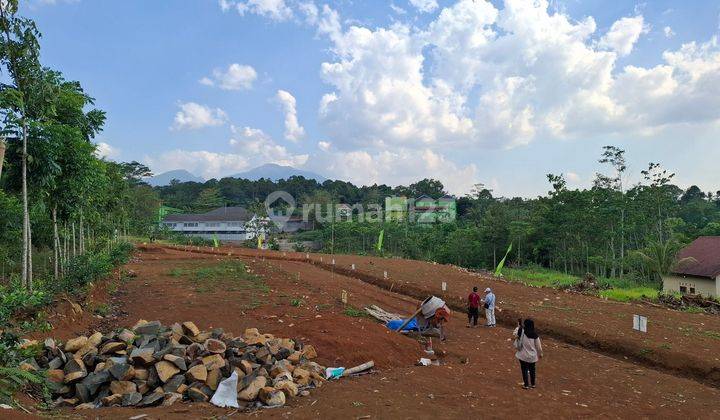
x=529, y=351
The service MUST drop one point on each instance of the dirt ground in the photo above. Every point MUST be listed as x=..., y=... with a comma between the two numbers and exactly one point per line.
x=478, y=374
x=677, y=342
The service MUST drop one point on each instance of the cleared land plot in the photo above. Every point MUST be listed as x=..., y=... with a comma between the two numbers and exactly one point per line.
x=682, y=343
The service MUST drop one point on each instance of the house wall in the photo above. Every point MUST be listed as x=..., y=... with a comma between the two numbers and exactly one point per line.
x=223, y=231
x=702, y=286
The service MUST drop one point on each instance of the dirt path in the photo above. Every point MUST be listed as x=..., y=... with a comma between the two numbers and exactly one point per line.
x=478, y=376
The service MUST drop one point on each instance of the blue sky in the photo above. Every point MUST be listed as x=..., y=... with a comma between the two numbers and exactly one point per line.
x=500, y=93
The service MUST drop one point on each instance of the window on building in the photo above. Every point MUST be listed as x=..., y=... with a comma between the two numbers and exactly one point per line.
x=212, y=224
x=194, y=224
x=683, y=289
x=692, y=290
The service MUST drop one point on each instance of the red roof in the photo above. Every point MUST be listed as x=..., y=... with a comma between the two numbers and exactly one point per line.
x=705, y=254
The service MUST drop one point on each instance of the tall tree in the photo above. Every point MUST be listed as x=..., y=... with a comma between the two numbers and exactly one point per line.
x=21, y=99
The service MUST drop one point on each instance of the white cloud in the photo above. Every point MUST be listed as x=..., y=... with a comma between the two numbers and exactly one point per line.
x=193, y=116
x=572, y=177
x=397, y=9
x=106, y=151
x=479, y=76
x=257, y=143
x=251, y=147
x=399, y=167
x=293, y=130
x=273, y=9
x=236, y=77
x=623, y=34
x=324, y=145
x=425, y=6
x=669, y=33
x=206, y=164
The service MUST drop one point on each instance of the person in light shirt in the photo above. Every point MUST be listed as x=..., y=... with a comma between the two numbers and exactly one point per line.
x=489, y=304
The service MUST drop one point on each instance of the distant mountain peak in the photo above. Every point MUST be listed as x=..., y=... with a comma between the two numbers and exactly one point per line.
x=275, y=172
x=166, y=178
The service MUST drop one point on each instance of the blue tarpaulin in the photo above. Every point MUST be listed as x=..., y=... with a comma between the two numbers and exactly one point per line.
x=395, y=324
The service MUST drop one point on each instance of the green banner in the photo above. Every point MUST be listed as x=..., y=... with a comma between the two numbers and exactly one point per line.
x=498, y=270
x=380, y=241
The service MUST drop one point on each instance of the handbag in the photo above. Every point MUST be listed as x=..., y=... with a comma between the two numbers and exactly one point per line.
x=518, y=342
x=486, y=305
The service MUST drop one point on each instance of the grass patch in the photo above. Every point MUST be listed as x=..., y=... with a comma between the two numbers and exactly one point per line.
x=622, y=290
x=694, y=310
x=645, y=352
x=102, y=309
x=626, y=295
x=297, y=302
x=231, y=275
x=712, y=334
x=355, y=312
x=540, y=277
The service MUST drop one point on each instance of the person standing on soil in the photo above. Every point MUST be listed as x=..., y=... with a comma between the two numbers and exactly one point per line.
x=473, y=307
x=489, y=304
x=529, y=351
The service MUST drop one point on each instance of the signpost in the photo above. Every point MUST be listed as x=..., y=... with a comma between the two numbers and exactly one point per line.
x=640, y=323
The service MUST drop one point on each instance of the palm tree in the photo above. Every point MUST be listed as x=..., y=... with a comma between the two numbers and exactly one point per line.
x=660, y=256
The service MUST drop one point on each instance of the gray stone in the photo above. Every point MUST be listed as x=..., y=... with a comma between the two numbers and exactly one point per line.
x=82, y=392
x=131, y=399
x=120, y=371
x=95, y=379
x=174, y=382
x=55, y=363
x=151, y=328
x=152, y=399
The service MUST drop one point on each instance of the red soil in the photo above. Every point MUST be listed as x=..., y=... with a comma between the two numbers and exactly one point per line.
x=478, y=375
x=680, y=343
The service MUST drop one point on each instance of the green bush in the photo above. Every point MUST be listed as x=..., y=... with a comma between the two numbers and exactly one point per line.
x=15, y=300
x=12, y=378
x=180, y=239
x=120, y=253
x=90, y=267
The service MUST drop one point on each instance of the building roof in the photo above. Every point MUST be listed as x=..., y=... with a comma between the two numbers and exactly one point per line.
x=222, y=214
x=703, y=256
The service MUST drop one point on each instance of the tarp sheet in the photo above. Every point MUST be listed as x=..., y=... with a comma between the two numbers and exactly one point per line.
x=396, y=323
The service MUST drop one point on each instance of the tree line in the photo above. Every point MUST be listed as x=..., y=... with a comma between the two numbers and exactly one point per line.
x=58, y=199
x=610, y=229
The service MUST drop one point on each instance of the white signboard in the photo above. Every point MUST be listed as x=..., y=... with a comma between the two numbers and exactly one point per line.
x=353, y=266
x=444, y=286
x=385, y=274
x=640, y=323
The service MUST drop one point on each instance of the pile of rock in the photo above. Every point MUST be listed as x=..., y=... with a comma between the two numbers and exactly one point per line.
x=152, y=364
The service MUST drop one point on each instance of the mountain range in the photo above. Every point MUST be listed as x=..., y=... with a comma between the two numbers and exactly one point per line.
x=165, y=178
x=270, y=171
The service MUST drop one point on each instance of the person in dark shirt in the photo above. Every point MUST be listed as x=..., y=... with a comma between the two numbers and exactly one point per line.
x=473, y=308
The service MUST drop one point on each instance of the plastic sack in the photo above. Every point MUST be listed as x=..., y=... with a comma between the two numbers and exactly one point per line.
x=226, y=394
x=334, y=373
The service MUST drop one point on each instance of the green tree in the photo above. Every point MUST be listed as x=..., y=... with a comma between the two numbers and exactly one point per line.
x=209, y=199
x=22, y=101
